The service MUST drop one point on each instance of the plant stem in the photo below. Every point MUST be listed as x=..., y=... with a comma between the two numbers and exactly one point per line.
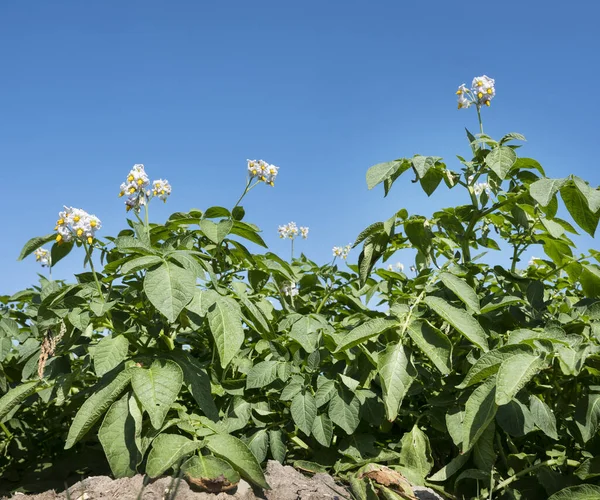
x=479, y=118
x=88, y=251
x=524, y=472
x=6, y=431
x=292, y=258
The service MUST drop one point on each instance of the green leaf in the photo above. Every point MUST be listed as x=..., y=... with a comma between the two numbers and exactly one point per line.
x=543, y=191
x=590, y=280
x=577, y=205
x=109, y=353
x=589, y=469
x=500, y=160
x=277, y=445
x=239, y=456
x=460, y=319
x=543, y=417
x=304, y=411
x=247, y=232
x=225, y=323
x=396, y=373
x=157, y=388
x=305, y=332
x=168, y=450
x=117, y=437
x=490, y=363
x=587, y=416
x=580, y=492
x=422, y=164
x=415, y=452
x=16, y=396
x=197, y=381
x=344, y=409
x=322, y=430
x=452, y=468
x=462, y=290
x=259, y=445
x=207, y=467
x=513, y=375
x=216, y=232
x=480, y=410
x=95, y=406
x=34, y=243
x=59, y=251
x=382, y=171
x=262, y=374
x=515, y=418
x=169, y=288
x=484, y=454
x=436, y=346
x=140, y=263
x=325, y=392
x=367, y=330
x=591, y=195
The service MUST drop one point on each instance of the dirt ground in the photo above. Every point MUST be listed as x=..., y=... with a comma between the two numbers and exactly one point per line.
x=286, y=484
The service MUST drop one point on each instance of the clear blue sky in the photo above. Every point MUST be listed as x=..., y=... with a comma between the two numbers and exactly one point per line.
x=323, y=89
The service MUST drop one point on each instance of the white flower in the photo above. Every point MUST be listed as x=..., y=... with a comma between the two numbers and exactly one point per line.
x=134, y=187
x=481, y=92
x=413, y=269
x=480, y=187
x=290, y=231
x=463, y=97
x=290, y=289
x=532, y=261
x=341, y=252
x=76, y=223
x=263, y=171
x=42, y=256
x=398, y=266
x=162, y=189
x=483, y=89
x=304, y=232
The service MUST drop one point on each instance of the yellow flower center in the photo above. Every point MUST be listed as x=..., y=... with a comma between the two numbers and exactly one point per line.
x=79, y=232
x=131, y=190
x=459, y=92
x=263, y=178
x=162, y=191
x=93, y=223
x=121, y=194
x=130, y=178
x=271, y=184
x=58, y=238
x=253, y=171
x=60, y=222
x=90, y=239
x=487, y=103
x=76, y=218
x=140, y=182
x=480, y=95
x=479, y=84
x=489, y=91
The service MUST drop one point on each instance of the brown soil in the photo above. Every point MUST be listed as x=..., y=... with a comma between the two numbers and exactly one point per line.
x=286, y=484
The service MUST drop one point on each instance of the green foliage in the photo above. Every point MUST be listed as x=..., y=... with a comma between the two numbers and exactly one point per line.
x=183, y=352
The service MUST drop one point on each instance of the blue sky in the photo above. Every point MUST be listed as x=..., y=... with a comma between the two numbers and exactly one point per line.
x=323, y=89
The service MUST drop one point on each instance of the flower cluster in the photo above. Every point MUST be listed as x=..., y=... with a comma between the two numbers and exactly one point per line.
x=341, y=252
x=263, y=171
x=399, y=267
x=135, y=188
x=74, y=223
x=480, y=187
x=162, y=189
x=481, y=92
x=42, y=256
x=290, y=289
x=291, y=230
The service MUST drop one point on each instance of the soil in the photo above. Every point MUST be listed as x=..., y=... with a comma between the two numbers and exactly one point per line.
x=286, y=484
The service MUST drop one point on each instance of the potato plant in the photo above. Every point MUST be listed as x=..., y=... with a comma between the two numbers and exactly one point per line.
x=183, y=349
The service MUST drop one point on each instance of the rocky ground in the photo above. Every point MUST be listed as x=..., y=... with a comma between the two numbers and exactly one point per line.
x=286, y=484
